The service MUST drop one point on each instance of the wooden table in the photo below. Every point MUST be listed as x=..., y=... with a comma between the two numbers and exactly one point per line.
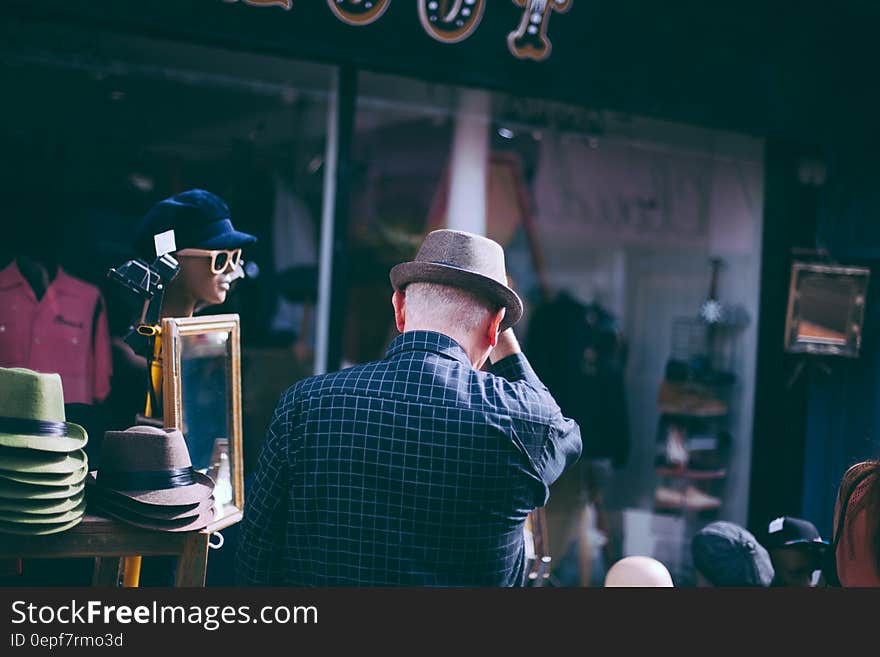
x=109, y=540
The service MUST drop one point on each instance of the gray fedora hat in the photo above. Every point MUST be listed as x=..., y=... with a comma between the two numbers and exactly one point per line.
x=149, y=465
x=32, y=413
x=463, y=260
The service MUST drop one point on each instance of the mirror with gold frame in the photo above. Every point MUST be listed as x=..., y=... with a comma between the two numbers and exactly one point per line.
x=201, y=365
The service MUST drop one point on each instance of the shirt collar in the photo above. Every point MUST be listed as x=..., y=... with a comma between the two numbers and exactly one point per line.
x=64, y=282
x=11, y=277
x=432, y=341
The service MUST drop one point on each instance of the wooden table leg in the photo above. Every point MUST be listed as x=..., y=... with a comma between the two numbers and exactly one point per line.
x=106, y=571
x=193, y=562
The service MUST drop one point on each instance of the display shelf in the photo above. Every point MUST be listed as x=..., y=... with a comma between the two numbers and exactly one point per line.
x=109, y=540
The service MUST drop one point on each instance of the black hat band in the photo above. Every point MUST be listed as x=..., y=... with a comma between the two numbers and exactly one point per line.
x=146, y=479
x=16, y=425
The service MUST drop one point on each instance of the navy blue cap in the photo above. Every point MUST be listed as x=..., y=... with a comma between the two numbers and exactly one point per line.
x=729, y=555
x=200, y=220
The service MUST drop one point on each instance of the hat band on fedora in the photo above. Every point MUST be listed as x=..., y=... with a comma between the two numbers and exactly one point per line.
x=28, y=427
x=146, y=479
x=447, y=264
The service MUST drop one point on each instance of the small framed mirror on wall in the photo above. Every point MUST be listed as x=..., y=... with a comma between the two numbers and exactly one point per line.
x=826, y=309
x=202, y=398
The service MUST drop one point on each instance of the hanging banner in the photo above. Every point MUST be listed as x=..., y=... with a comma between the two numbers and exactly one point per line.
x=450, y=24
x=358, y=12
x=284, y=4
x=530, y=40
x=452, y=21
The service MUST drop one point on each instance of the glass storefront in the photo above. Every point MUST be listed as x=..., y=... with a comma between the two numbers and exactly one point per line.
x=99, y=127
x=635, y=244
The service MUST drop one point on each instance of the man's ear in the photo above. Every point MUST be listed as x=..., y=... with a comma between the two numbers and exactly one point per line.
x=495, y=326
x=398, y=300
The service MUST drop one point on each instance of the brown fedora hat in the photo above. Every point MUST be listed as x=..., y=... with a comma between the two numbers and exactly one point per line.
x=199, y=518
x=463, y=260
x=150, y=465
x=99, y=497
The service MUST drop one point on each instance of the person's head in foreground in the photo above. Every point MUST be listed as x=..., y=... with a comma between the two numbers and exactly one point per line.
x=857, y=527
x=796, y=550
x=726, y=554
x=638, y=571
x=457, y=286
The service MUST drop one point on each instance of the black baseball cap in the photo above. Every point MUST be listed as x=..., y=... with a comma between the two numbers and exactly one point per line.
x=793, y=532
x=729, y=555
x=200, y=220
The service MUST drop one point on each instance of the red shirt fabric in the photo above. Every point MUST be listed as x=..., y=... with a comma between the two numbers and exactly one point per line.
x=65, y=332
x=856, y=560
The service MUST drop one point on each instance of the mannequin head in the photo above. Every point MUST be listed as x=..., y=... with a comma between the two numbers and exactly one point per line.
x=198, y=283
x=638, y=571
x=208, y=249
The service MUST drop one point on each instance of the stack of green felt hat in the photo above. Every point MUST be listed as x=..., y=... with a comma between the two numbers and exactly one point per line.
x=42, y=462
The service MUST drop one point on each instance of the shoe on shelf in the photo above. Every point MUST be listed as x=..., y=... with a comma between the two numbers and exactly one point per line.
x=668, y=498
x=689, y=400
x=697, y=500
x=691, y=499
x=676, y=451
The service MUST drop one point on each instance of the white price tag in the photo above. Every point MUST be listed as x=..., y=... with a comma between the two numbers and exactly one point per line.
x=776, y=525
x=164, y=243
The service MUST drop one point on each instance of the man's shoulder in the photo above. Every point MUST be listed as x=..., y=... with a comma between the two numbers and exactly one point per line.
x=346, y=379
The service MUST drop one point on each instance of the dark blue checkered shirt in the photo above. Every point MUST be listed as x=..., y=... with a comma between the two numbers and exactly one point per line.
x=414, y=470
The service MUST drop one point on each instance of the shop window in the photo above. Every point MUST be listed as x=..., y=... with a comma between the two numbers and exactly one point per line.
x=635, y=244
x=98, y=127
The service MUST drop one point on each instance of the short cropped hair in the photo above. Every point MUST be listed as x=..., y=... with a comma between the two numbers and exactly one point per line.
x=450, y=306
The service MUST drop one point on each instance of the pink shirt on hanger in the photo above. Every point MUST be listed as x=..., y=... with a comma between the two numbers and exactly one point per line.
x=65, y=332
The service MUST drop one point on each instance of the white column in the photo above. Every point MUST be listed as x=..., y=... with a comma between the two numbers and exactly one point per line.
x=469, y=166
x=325, y=261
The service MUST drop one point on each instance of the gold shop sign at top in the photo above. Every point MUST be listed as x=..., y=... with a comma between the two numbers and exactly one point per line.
x=451, y=21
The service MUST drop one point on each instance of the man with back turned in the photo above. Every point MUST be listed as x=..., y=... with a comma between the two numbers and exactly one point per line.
x=419, y=469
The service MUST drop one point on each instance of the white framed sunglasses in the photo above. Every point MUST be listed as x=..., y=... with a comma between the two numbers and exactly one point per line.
x=220, y=258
